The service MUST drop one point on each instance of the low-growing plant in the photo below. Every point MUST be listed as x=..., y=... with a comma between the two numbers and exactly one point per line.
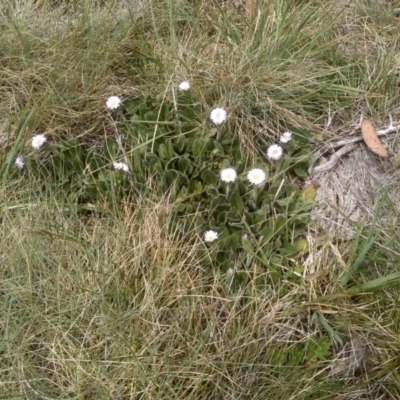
x=255, y=220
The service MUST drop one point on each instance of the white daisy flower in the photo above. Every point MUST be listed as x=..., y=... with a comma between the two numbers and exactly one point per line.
x=228, y=175
x=274, y=152
x=218, y=116
x=286, y=137
x=121, y=165
x=185, y=85
x=256, y=176
x=113, y=102
x=19, y=162
x=38, y=141
x=210, y=236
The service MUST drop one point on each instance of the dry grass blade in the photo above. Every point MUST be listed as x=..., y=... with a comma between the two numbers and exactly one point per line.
x=250, y=6
x=371, y=139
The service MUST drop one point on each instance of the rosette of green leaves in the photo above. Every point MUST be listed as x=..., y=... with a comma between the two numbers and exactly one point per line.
x=177, y=149
x=181, y=154
x=257, y=226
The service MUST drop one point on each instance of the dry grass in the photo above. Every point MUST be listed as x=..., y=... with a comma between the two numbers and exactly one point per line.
x=118, y=307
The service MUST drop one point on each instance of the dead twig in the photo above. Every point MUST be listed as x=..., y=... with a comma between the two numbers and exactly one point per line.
x=346, y=149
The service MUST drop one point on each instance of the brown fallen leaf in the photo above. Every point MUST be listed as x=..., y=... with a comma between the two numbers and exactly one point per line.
x=371, y=139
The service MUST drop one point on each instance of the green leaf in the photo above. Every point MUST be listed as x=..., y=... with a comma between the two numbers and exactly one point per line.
x=236, y=227
x=232, y=216
x=236, y=202
x=195, y=187
x=185, y=166
x=376, y=284
x=301, y=172
x=186, y=114
x=150, y=116
x=94, y=161
x=211, y=132
x=231, y=242
x=135, y=117
x=259, y=222
x=300, y=218
x=180, y=207
x=208, y=147
x=110, y=149
x=267, y=233
x=221, y=218
x=264, y=210
x=242, y=278
x=181, y=144
x=165, y=111
x=223, y=233
x=283, y=202
x=215, y=202
x=319, y=348
x=279, y=224
x=197, y=146
x=212, y=191
x=162, y=152
x=155, y=166
x=291, y=189
x=248, y=246
x=171, y=176
x=288, y=249
x=242, y=188
x=249, y=218
x=324, y=323
x=221, y=208
x=209, y=177
x=222, y=256
x=137, y=163
x=295, y=356
x=169, y=149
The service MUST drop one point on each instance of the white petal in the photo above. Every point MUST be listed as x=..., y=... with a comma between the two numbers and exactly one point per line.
x=185, y=85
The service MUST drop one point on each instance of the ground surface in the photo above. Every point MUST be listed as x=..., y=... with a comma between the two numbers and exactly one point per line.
x=103, y=298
